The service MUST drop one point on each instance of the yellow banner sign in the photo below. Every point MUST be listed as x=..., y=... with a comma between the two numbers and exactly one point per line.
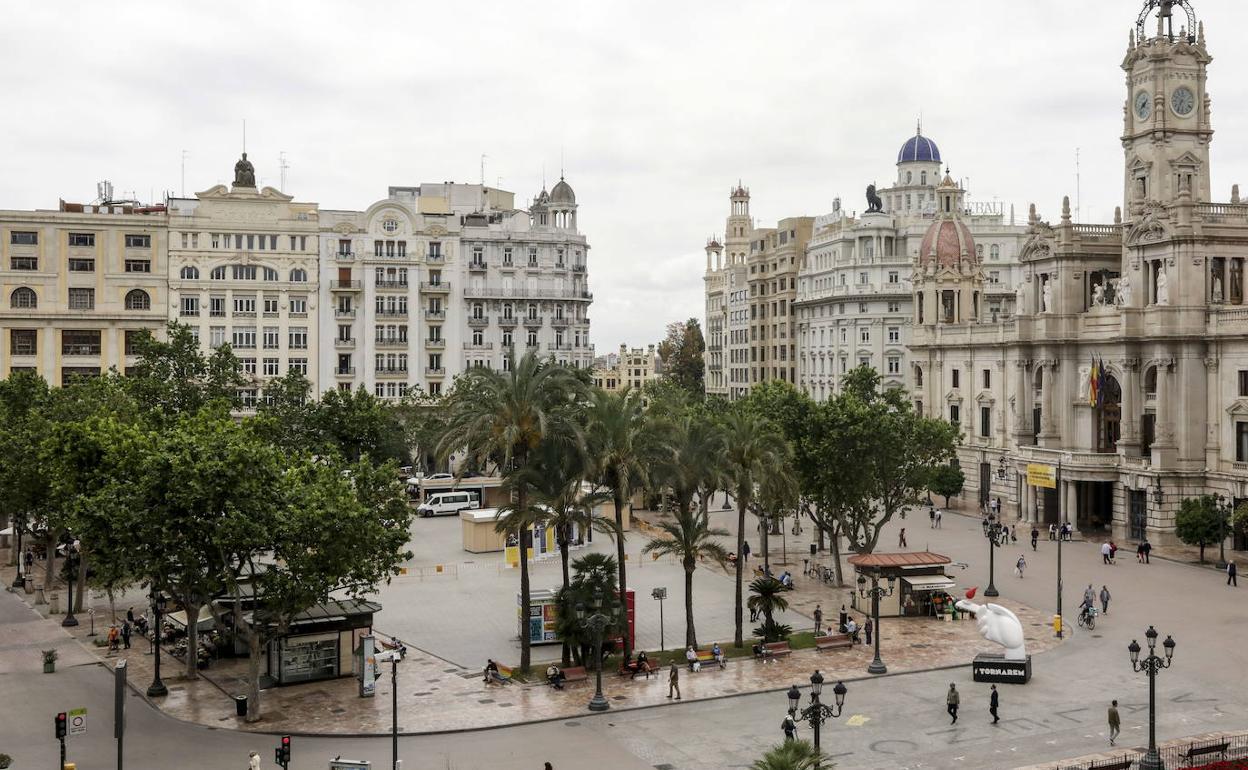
x=1041, y=475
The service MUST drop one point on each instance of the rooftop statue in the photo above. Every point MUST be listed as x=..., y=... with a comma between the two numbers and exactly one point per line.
x=244, y=173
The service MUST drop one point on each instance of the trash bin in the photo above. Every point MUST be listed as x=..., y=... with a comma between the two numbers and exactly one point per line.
x=240, y=705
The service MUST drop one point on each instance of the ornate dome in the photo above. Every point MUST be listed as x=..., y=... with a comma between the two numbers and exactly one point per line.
x=562, y=193
x=919, y=148
x=946, y=244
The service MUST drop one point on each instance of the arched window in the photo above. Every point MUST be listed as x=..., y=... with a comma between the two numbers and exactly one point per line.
x=918, y=377
x=979, y=250
x=218, y=273
x=23, y=298
x=270, y=274
x=909, y=177
x=923, y=178
x=298, y=275
x=137, y=299
x=190, y=273
x=995, y=251
x=1150, y=381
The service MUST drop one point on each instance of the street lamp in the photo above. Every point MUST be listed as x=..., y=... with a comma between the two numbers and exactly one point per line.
x=20, y=580
x=876, y=593
x=1224, y=515
x=816, y=713
x=394, y=656
x=157, y=687
x=71, y=566
x=992, y=531
x=1151, y=665
x=660, y=593
x=597, y=622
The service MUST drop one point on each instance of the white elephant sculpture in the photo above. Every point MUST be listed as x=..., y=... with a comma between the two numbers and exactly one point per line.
x=997, y=624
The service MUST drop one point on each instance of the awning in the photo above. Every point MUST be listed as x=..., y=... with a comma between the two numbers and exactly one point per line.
x=928, y=582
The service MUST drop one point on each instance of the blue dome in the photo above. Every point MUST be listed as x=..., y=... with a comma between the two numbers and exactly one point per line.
x=919, y=148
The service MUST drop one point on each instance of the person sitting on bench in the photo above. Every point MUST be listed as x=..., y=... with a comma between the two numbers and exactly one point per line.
x=718, y=653
x=555, y=677
x=758, y=651
x=786, y=579
x=491, y=673
x=642, y=664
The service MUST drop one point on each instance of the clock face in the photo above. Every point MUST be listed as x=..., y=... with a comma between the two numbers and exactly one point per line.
x=1143, y=105
x=1182, y=101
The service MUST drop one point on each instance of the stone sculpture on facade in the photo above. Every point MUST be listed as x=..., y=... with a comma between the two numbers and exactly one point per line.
x=244, y=173
x=1046, y=295
x=1163, y=288
x=1020, y=298
x=1217, y=289
x=874, y=202
x=1122, y=297
x=1098, y=295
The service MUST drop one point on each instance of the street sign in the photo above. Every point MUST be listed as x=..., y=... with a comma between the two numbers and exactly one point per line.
x=78, y=721
x=1040, y=475
x=368, y=667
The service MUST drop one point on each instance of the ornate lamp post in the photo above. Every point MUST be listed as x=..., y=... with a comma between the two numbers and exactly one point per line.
x=876, y=593
x=157, y=687
x=597, y=622
x=1151, y=665
x=18, y=526
x=816, y=713
x=993, y=533
x=71, y=567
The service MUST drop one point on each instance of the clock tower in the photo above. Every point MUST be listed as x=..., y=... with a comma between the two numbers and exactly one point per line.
x=1167, y=129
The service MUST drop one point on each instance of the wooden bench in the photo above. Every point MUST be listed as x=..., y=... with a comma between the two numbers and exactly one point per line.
x=1112, y=764
x=833, y=641
x=648, y=668
x=1194, y=751
x=503, y=675
x=575, y=674
x=773, y=650
x=706, y=658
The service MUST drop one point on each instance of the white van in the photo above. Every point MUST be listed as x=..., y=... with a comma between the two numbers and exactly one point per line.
x=448, y=503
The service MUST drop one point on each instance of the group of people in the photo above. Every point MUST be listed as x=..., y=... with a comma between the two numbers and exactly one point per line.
x=953, y=700
x=1063, y=531
x=1087, y=607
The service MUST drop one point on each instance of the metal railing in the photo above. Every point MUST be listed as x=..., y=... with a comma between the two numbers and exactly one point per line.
x=1174, y=755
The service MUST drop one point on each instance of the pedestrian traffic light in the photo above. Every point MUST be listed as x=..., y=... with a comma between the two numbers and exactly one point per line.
x=61, y=721
x=283, y=752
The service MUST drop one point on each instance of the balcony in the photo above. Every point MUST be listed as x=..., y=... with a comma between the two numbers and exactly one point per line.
x=345, y=285
x=391, y=343
x=508, y=321
x=478, y=346
x=477, y=267
x=440, y=287
x=435, y=315
x=578, y=268
x=479, y=322
x=344, y=312
x=431, y=371
x=520, y=292
x=344, y=371
x=392, y=313
x=533, y=320
x=558, y=322
x=244, y=314
x=345, y=256
x=561, y=346
x=387, y=284
x=80, y=350
x=508, y=266
x=344, y=342
x=437, y=344
x=436, y=259
x=392, y=371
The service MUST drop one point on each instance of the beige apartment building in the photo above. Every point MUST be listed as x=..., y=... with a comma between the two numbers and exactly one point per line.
x=78, y=283
x=633, y=368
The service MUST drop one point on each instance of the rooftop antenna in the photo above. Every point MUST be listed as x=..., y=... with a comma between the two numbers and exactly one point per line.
x=918, y=128
x=283, y=165
x=1077, y=191
x=244, y=134
x=184, y=154
x=561, y=162
x=483, y=157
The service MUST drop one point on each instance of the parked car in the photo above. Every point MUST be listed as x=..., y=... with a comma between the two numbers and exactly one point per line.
x=437, y=476
x=448, y=503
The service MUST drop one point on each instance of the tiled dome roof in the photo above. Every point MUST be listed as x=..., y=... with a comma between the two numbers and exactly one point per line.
x=945, y=243
x=562, y=192
x=919, y=148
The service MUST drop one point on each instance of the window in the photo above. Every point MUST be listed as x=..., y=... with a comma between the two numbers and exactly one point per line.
x=244, y=338
x=270, y=306
x=478, y=338
x=918, y=377
x=435, y=361
x=245, y=306
x=507, y=256
x=243, y=272
x=955, y=414
x=24, y=263
x=1243, y=383
x=24, y=238
x=248, y=365
x=138, y=241
x=82, y=299
x=24, y=298
x=862, y=277
x=987, y=379
x=994, y=252
x=894, y=307
x=299, y=338
x=864, y=335
x=507, y=338
x=298, y=306
x=81, y=265
x=298, y=365
x=894, y=334
x=216, y=336
x=985, y=425
x=82, y=239
x=132, y=337
x=1241, y=442
x=84, y=342
x=270, y=367
x=862, y=307
x=894, y=365
x=23, y=342
x=216, y=307
x=218, y=273
x=272, y=338
x=994, y=276
x=138, y=266
x=298, y=275
x=190, y=273
x=190, y=306
x=955, y=377
x=270, y=274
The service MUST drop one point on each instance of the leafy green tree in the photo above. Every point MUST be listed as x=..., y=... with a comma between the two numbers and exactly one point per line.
x=793, y=755
x=682, y=354
x=767, y=597
x=619, y=443
x=690, y=538
x=172, y=377
x=754, y=449
x=23, y=399
x=423, y=417
x=1201, y=521
x=285, y=416
x=357, y=424
x=593, y=581
x=502, y=417
x=947, y=480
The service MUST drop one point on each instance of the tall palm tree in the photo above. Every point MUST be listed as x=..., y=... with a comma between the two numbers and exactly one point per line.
x=501, y=418
x=691, y=539
x=792, y=755
x=618, y=446
x=753, y=449
x=768, y=598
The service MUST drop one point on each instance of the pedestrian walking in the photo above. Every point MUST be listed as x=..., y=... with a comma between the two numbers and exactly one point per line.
x=1106, y=553
x=1019, y=566
x=130, y=616
x=745, y=550
x=931, y=517
x=938, y=515
x=673, y=681
x=1139, y=552
x=993, y=702
x=789, y=726
x=1231, y=572
x=753, y=614
x=1105, y=600
x=1035, y=535
x=1089, y=596
x=818, y=618
x=1115, y=724
x=29, y=559
x=952, y=699
x=868, y=628
x=842, y=620
x=1052, y=532
x=1148, y=549
x=901, y=538
x=125, y=634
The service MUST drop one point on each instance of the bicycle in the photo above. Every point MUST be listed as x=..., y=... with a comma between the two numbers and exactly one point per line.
x=1087, y=619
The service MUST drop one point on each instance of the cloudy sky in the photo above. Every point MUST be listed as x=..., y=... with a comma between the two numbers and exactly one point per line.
x=656, y=108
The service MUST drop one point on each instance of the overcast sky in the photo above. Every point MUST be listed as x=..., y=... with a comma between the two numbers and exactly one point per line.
x=657, y=108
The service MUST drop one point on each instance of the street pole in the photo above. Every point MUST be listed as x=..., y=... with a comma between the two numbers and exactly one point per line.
x=1060, y=536
x=1151, y=666
x=877, y=665
x=661, y=647
x=157, y=688
x=993, y=532
x=815, y=704
x=119, y=708
x=394, y=713
x=20, y=580
x=72, y=567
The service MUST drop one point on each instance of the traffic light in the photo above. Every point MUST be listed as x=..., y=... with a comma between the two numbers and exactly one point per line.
x=61, y=721
x=283, y=752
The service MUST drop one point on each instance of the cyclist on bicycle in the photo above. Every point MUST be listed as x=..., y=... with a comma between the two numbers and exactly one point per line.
x=1087, y=611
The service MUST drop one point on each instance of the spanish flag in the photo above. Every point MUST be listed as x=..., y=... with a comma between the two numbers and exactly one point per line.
x=1094, y=383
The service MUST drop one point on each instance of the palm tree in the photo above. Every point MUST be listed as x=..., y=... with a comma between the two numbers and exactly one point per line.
x=753, y=449
x=777, y=493
x=690, y=539
x=792, y=755
x=502, y=418
x=768, y=598
x=618, y=447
